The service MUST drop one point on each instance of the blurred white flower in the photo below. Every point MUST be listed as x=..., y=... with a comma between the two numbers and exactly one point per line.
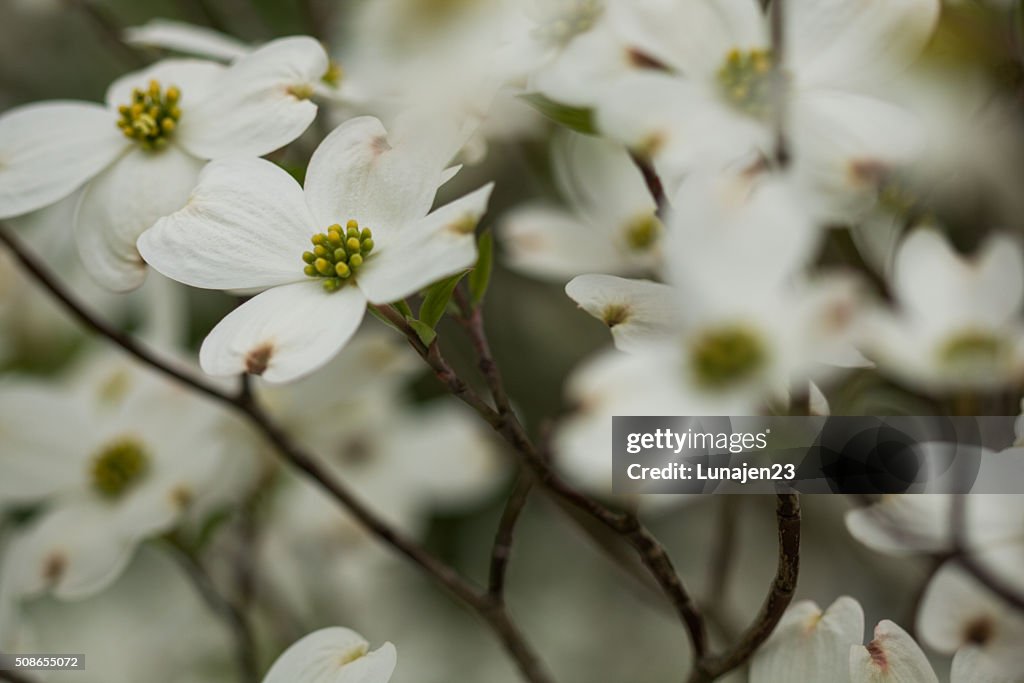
x=358, y=233
x=710, y=98
x=610, y=224
x=139, y=156
x=333, y=655
x=959, y=614
x=810, y=646
x=957, y=322
x=120, y=469
x=117, y=630
x=737, y=327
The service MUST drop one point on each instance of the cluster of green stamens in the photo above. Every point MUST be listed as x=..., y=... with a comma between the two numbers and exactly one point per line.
x=726, y=356
x=152, y=116
x=974, y=348
x=119, y=466
x=746, y=81
x=642, y=233
x=572, y=18
x=338, y=254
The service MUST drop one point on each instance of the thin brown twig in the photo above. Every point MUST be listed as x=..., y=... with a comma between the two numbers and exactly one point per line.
x=493, y=613
x=235, y=618
x=777, y=26
x=501, y=550
x=505, y=422
x=787, y=514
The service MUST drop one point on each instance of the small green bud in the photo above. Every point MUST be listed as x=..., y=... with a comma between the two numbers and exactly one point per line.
x=355, y=260
x=352, y=244
x=308, y=256
x=367, y=246
x=323, y=266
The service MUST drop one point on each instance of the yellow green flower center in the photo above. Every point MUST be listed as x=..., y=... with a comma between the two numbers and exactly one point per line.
x=569, y=19
x=642, y=233
x=334, y=74
x=338, y=254
x=152, y=116
x=726, y=356
x=745, y=80
x=118, y=467
x=973, y=349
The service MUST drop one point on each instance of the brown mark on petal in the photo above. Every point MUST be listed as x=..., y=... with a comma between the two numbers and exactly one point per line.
x=641, y=60
x=868, y=172
x=54, y=566
x=257, y=360
x=181, y=496
x=615, y=314
x=380, y=145
x=878, y=655
x=979, y=631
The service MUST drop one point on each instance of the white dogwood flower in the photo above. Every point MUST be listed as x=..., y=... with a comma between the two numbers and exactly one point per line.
x=138, y=156
x=610, y=223
x=333, y=655
x=120, y=469
x=957, y=322
x=711, y=96
x=359, y=232
x=810, y=646
x=959, y=614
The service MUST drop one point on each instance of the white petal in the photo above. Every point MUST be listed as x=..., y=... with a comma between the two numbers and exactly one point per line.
x=36, y=459
x=545, y=241
x=636, y=311
x=195, y=78
x=121, y=203
x=809, y=646
x=957, y=611
x=832, y=42
x=439, y=245
x=892, y=657
x=358, y=173
x=186, y=38
x=691, y=37
x=284, y=333
x=245, y=225
x=254, y=111
x=333, y=655
x=930, y=277
x=903, y=524
x=600, y=180
x=841, y=138
x=75, y=550
x=49, y=149
x=970, y=665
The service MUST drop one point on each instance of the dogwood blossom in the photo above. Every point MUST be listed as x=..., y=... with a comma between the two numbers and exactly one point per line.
x=335, y=655
x=360, y=232
x=118, y=471
x=809, y=646
x=957, y=322
x=138, y=156
x=709, y=98
x=610, y=225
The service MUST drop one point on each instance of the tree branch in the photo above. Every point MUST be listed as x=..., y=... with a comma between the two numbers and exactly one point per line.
x=501, y=551
x=967, y=559
x=108, y=29
x=505, y=422
x=245, y=646
x=787, y=513
x=494, y=614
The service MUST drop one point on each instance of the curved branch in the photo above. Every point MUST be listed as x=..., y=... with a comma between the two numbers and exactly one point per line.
x=494, y=614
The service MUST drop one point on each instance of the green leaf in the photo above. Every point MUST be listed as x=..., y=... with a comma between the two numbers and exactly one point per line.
x=436, y=300
x=576, y=118
x=424, y=331
x=480, y=276
x=403, y=308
